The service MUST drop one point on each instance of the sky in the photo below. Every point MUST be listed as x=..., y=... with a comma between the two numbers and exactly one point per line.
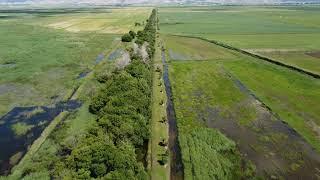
x=147, y=1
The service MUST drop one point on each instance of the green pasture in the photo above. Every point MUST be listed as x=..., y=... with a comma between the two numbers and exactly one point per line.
x=292, y=95
x=238, y=20
x=45, y=62
x=41, y=59
x=203, y=92
x=267, y=29
x=184, y=48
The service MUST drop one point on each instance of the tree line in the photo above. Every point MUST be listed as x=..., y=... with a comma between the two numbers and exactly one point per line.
x=123, y=108
x=109, y=148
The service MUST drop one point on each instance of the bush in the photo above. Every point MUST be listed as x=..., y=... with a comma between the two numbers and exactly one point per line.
x=126, y=38
x=132, y=34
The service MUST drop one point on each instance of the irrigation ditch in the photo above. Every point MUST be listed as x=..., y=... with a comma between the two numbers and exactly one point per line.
x=294, y=68
x=176, y=165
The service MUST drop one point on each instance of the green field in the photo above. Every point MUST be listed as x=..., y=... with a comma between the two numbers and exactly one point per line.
x=216, y=93
x=290, y=32
x=45, y=63
x=223, y=113
x=179, y=48
x=41, y=65
x=292, y=95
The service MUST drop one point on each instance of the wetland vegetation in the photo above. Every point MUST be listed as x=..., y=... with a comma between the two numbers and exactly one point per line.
x=269, y=112
x=136, y=93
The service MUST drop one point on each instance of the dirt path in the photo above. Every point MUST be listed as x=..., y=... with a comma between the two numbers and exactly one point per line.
x=159, y=127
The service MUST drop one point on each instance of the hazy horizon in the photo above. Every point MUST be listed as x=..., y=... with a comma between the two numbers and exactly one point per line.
x=114, y=2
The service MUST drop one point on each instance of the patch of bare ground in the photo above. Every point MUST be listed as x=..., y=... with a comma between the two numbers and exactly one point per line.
x=178, y=56
x=315, y=54
x=6, y=88
x=270, y=50
x=123, y=61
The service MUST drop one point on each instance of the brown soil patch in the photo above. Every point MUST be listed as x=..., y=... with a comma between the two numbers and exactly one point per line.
x=315, y=54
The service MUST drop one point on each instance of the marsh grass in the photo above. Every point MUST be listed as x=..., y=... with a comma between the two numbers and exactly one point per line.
x=290, y=94
x=21, y=128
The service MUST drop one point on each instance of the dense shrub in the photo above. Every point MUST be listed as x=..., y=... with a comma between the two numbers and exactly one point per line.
x=122, y=105
x=132, y=34
x=126, y=38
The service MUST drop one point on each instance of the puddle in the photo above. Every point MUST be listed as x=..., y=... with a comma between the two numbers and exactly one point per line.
x=315, y=54
x=176, y=169
x=177, y=56
x=7, y=65
x=6, y=88
x=115, y=54
x=34, y=120
x=99, y=58
x=83, y=74
x=7, y=17
x=276, y=149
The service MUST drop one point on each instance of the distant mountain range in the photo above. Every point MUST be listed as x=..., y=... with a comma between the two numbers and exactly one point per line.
x=126, y=2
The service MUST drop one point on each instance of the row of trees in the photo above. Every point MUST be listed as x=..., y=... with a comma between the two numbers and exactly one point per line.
x=108, y=150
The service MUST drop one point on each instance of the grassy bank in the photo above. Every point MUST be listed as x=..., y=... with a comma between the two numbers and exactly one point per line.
x=159, y=124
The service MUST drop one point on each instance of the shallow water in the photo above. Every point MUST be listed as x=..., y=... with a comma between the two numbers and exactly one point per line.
x=7, y=88
x=11, y=143
x=99, y=58
x=178, y=56
x=115, y=54
x=176, y=169
x=7, y=65
x=83, y=74
x=273, y=146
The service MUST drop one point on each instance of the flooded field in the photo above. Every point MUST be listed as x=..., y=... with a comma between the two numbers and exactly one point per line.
x=209, y=96
x=275, y=148
x=22, y=125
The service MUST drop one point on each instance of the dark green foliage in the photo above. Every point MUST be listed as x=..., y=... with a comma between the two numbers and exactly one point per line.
x=122, y=105
x=132, y=34
x=126, y=38
x=164, y=158
x=149, y=34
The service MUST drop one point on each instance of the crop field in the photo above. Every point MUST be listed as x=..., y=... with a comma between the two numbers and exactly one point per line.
x=43, y=66
x=248, y=101
x=111, y=21
x=286, y=33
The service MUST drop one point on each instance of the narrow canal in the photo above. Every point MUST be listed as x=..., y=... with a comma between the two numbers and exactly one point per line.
x=176, y=166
